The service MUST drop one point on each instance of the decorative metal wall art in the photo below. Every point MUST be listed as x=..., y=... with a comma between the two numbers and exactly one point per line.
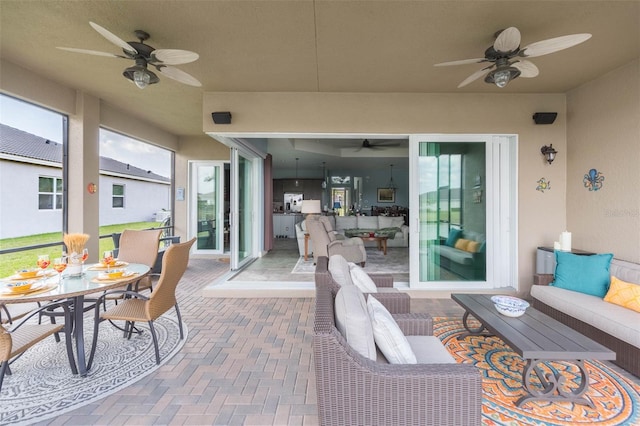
x=593, y=180
x=543, y=184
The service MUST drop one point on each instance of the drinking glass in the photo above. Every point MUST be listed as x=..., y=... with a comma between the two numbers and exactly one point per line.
x=107, y=258
x=60, y=264
x=85, y=255
x=43, y=261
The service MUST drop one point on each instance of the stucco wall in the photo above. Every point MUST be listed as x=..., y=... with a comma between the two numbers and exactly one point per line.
x=604, y=134
x=404, y=113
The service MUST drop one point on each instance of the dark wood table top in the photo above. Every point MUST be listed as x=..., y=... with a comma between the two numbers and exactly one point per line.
x=533, y=335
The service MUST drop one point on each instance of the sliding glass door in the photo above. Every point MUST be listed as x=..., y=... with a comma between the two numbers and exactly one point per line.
x=209, y=216
x=463, y=190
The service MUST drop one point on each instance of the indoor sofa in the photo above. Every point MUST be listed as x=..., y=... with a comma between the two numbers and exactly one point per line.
x=610, y=324
x=462, y=253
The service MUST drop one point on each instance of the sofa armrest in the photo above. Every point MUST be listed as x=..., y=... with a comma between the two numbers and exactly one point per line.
x=542, y=279
x=382, y=280
x=415, y=324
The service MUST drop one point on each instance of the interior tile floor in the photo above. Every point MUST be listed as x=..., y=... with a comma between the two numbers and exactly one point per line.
x=246, y=361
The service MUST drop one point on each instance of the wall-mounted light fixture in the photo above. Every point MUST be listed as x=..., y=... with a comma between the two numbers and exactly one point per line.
x=549, y=153
x=92, y=188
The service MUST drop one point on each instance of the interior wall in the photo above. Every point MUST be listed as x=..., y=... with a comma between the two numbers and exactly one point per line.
x=603, y=133
x=404, y=113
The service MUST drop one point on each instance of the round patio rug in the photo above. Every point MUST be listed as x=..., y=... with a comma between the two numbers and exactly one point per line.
x=42, y=386
x=616, y=398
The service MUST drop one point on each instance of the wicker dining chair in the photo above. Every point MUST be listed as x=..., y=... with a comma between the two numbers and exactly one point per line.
x=140, y=246
x=136, y=307
x=16, y=340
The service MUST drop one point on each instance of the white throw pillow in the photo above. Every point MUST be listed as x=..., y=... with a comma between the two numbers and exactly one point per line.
x=353, y=322
x=339, y=270
x=361, y=279
x=388, y=336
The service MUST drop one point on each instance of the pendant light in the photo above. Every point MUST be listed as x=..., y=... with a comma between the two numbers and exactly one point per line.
x=391, y=185
x=324, y=176
x=297, y=181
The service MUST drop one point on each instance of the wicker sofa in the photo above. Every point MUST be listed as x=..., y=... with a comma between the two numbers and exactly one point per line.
x=355, y=390
x=613, y=326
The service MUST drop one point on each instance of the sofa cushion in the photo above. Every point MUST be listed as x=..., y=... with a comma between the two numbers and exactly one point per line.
x=367, y=222
x=353, y=321
x=462, y=244
x=585, y=274
x=454, y=234
x=361, y=279
x=429, y=350
x=624, y=294
x=339, y=270
x=459, y=256
x=346, y=222
x=388, y=336
x=612, y=319
x=390, y=221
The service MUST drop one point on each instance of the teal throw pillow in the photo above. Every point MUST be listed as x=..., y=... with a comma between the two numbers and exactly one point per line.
x=585, y=274
x=454, y=235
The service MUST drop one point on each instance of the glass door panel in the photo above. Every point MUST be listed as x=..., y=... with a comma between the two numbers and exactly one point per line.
x=207, y=222
x=245, y=208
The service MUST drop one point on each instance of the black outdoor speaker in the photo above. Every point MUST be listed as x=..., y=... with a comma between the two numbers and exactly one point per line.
x=223, y=117
x=543, y=117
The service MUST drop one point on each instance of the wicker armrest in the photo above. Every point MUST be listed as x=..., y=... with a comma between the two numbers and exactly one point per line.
x=382, y=280
x=542, y=279
x=396, y=303
x=415, y=324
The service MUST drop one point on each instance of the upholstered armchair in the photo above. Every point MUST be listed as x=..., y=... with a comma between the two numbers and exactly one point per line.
x=326, y=244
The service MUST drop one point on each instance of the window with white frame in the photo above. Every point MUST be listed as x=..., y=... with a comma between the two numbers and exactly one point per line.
x=49, y=193
x=117, y=196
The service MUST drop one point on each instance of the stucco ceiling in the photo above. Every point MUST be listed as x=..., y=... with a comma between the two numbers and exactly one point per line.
x=308, y=46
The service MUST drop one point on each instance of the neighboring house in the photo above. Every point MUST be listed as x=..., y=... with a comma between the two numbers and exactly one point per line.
x=32, y=203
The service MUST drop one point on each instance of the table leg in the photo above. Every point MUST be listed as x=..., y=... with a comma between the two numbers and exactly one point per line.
x=384, y=246
x=306, y=246
x=78, y=313
x=472, y=331
x=553, y=385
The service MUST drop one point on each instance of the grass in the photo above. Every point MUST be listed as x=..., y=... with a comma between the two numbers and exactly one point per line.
x=11, y=262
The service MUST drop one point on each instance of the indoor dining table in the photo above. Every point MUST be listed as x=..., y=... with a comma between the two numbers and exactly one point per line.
x=74, y=289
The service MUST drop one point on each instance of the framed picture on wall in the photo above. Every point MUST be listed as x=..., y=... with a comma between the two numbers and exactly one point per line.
x=386, y=195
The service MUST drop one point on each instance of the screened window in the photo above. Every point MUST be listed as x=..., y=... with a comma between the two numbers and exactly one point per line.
x=49, y=193
x=117, y=197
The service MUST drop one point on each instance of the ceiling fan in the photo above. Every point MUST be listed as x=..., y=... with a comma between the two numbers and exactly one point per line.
x=506, y=56
x=144, y=55
x=366, y=144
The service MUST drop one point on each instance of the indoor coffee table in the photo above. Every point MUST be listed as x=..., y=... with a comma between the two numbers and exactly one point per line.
x=381, y=241
x=537, y=338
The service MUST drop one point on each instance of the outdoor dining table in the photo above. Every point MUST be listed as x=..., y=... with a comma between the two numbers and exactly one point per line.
x=74, y=290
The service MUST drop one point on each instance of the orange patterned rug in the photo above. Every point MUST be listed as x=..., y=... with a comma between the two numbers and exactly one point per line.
x=616, y=398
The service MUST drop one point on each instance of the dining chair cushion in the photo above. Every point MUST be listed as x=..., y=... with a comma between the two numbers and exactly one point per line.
x=388, y=336
x=339, y=270
x=28, y=335
x=352, y=320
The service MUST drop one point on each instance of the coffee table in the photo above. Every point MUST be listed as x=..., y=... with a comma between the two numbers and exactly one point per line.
x=537, y=338
x=381, y=241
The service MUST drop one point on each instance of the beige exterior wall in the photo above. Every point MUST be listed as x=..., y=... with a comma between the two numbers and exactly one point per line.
x=541, y=216
x=604, y=134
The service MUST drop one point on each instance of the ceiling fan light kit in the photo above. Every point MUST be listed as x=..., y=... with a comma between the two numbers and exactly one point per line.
x=145, y=55
x=505, y=56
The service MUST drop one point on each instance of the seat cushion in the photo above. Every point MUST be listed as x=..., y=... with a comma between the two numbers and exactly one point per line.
x=352, y=320
x=429, y=350
x=388, y=335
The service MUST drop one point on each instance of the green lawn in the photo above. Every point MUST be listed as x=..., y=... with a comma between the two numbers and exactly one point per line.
x=11, y=262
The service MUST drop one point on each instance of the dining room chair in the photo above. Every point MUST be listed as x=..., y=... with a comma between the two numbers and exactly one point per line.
x=137, y=307
x=15, y=340
x=140, y=246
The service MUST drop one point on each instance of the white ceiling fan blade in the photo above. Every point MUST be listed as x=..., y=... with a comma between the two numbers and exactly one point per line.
x=173, y=56
x=551, y=45
x=527, y=68
x=113, y=38
x=508, y=40
x=91, y=52
x=179, y=75
x=473, y=77
x=461, y=62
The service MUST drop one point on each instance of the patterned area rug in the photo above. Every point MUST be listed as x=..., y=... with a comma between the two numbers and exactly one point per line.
x=395, y=262
x=42, y=386
x=616, y=398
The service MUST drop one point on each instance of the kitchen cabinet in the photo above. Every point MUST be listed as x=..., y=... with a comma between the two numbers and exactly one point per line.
x=284, y=225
